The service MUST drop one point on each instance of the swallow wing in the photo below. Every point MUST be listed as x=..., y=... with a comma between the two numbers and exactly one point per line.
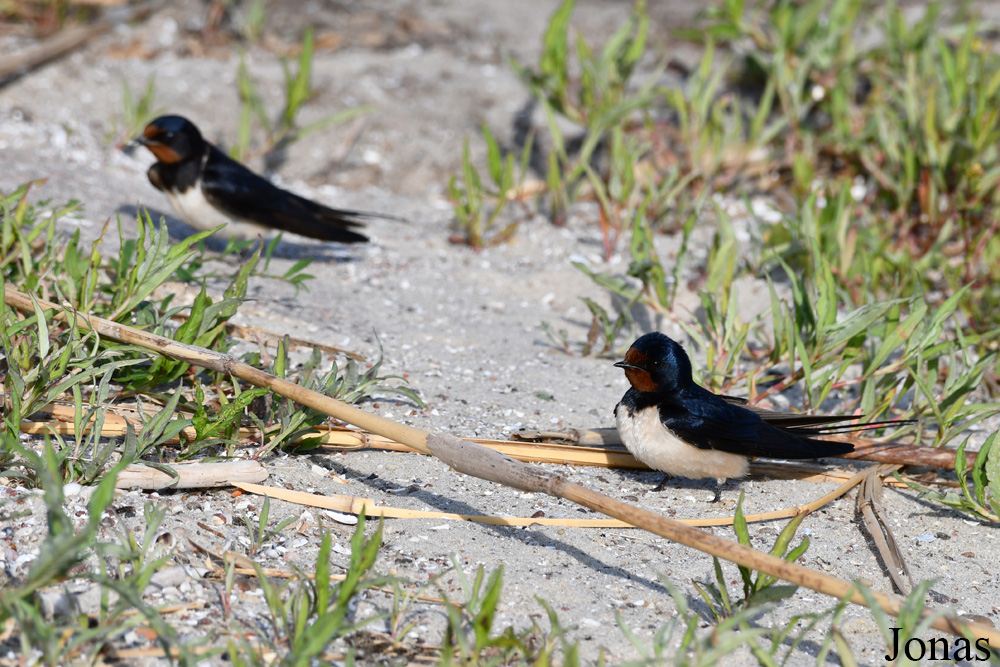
x=784, y=419
x=813, y=424
x=709, y=422
x=239, y=192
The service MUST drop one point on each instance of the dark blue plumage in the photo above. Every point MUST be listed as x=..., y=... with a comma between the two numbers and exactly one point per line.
x=207, y=188
x=672, y=424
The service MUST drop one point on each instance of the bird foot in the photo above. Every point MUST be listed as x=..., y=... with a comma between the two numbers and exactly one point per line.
x=663, y=483
x=718, y=491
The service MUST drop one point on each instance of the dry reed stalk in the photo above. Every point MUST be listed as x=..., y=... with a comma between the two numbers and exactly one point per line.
x=193, y=475
x=355, y=505
x=338, y=438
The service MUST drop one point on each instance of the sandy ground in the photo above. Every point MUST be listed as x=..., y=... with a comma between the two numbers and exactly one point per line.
x=464, y=326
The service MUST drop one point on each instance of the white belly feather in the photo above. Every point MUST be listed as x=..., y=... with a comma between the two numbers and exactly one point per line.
x=654, y=444
x=196, y=210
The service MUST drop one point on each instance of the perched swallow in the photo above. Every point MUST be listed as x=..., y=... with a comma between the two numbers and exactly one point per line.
x=207, y=188
x=676, y=426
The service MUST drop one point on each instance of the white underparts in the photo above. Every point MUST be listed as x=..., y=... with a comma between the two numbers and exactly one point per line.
x=198, y=212
x=654, y=444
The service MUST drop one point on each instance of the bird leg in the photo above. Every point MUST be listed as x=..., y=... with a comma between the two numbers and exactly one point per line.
x=663, y=482
x=718, y=490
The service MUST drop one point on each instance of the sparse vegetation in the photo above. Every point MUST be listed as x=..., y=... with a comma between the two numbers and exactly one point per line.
x=136, y=113
x=478, y=209
x=852, y=285
x=45, y=360
x=881, y=267
x=286, y=129
x=881, y=262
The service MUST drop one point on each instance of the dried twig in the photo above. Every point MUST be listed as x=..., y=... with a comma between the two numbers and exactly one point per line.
x=66, y=41
x=532, y=446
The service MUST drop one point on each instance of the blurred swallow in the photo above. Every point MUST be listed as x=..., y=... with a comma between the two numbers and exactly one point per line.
x=207, y=188
x=676, y=426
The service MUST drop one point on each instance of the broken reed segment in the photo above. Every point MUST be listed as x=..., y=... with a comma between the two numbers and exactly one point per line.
x=340, y=439
x=196, y=475
x=478, y=461
x=869, y=506
x=354, y=505
x=601, y=453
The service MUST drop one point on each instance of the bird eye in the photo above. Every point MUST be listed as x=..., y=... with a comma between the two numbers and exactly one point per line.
x=656, y=365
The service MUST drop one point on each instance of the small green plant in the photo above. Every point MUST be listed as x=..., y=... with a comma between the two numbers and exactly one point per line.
x=620, y=197
x=259, y=532
x=254, y=20
x=719, y=134
x=50, y=358
x=471, y=638
x=194, y=269
x=470, y=625
x=888, y=339
x=38, y=370
x=478, y=209
x=306, y=615
x=982, y=499
x=29, y=249
x=64, y=640
x=735, y=624
x=219, y=429
x=656, y=288
x=912, y=121
x=599, y=101
x=759, y=589
x=297, y=92
x=913, y=621
x=136, y=113
x=46, y=359
x=286, y=422
x=691, y=649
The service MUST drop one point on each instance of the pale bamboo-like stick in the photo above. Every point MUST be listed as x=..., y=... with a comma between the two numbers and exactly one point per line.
x=194, y=475
x=520, y=448
x=479, y=461
x=338, y=438
x=355, y=505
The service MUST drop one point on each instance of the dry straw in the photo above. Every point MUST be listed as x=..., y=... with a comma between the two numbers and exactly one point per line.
x=478, y=461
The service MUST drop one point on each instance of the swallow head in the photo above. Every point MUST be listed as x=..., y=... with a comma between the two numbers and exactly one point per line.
x=171, y=139
x=655, y=363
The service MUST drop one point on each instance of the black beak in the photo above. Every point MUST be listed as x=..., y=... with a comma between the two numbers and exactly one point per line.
x=133, y=144
x=625, y=364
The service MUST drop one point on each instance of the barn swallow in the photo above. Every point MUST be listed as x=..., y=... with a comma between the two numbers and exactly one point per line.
x=676, y=426
x=207, y=188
